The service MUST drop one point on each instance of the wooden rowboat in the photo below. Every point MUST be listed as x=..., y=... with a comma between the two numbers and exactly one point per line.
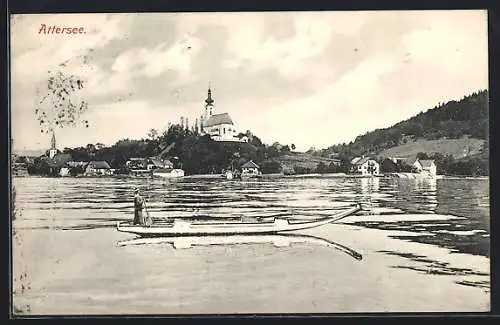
x=184, y=228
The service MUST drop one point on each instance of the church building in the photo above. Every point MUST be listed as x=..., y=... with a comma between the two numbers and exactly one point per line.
x=220, y=127
x=53, y=148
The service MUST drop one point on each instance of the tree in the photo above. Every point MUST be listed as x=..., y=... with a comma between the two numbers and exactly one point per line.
x=153, y=134
x=285, y=149
x=293, y=146
x=90, y=148
x=62, y=103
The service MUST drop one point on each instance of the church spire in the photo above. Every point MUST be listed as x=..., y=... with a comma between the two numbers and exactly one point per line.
x=53, y=141
x=209, y=103
x=209, y=99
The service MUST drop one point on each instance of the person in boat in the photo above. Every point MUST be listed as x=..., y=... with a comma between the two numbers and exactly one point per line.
x=138, y=208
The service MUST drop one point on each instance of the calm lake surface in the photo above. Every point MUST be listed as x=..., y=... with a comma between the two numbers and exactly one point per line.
x=425, y=247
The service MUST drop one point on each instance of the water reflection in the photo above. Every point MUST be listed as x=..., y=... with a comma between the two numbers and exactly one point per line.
x=466, y=198
x=283, y=240
x=423, y=264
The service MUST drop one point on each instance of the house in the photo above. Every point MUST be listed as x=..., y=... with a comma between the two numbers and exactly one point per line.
x=136, y=163
x=365, y=166
x=414, y=163
x=335, y=162
x=77, y=163
x=95, y=168
x=58, y=163
x=428, y=166
x=64, y=171
x=156, y=163
x=220, y=127
x=250, y=169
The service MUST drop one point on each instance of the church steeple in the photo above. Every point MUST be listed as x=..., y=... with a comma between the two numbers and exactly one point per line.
x=53, y=149
x=209, y=99
x=209, y=103
x=53, y=142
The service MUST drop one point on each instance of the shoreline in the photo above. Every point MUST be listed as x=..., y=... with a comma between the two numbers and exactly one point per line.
x=274, y=175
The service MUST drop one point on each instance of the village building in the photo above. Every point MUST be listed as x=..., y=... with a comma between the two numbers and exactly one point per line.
x=157, y=163
x=428, y=166
x=220, y=127
x=77, y=163
x=148, y=164
x=58, y=164
x=365, y=166
x=415, y=165
x=98, y=168
x=64, y=171
x=250, y=169
x=136, y=163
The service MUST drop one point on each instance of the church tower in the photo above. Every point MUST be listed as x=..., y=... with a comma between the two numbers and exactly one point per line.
x=209, y=104
x=53, y=149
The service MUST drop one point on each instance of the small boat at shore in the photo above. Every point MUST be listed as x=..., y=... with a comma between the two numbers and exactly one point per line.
x=186, y=228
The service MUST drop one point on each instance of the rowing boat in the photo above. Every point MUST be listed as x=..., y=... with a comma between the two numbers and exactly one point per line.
x=185, y=228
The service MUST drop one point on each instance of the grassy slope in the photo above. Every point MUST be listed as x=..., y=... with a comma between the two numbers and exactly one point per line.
x=459, y=148
x=304, y=160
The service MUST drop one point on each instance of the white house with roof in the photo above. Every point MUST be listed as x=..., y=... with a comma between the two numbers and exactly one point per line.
x=429, y=167
x=365, y=166
x=95, y=168
x=220, y=126
x=250, y=169
x=424, y=166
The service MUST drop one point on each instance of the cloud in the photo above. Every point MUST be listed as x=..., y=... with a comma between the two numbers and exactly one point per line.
x=313, y=34
x=49, y=50
x=153, y=62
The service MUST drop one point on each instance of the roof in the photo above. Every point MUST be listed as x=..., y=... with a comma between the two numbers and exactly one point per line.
x=362, y=161
x=218, y=119
x=99, y=165
x=411, y=160
x=250, y=164
x=427, y=163
x=59, y=160
x=354, y=160
x=156, y=162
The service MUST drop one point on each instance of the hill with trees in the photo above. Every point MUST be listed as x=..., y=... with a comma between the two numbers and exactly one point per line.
x=452, y=133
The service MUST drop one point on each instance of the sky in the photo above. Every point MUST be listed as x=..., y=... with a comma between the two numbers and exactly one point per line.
x=313, y=79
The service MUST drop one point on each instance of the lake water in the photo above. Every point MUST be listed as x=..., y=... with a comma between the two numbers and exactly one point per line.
x=425, y=247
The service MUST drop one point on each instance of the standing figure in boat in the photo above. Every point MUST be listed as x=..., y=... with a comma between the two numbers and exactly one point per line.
x=138, y=207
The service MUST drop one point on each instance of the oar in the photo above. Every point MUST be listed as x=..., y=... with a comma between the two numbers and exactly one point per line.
x=148, y=221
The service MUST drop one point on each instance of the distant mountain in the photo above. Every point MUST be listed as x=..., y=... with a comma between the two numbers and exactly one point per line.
x=458, y=128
